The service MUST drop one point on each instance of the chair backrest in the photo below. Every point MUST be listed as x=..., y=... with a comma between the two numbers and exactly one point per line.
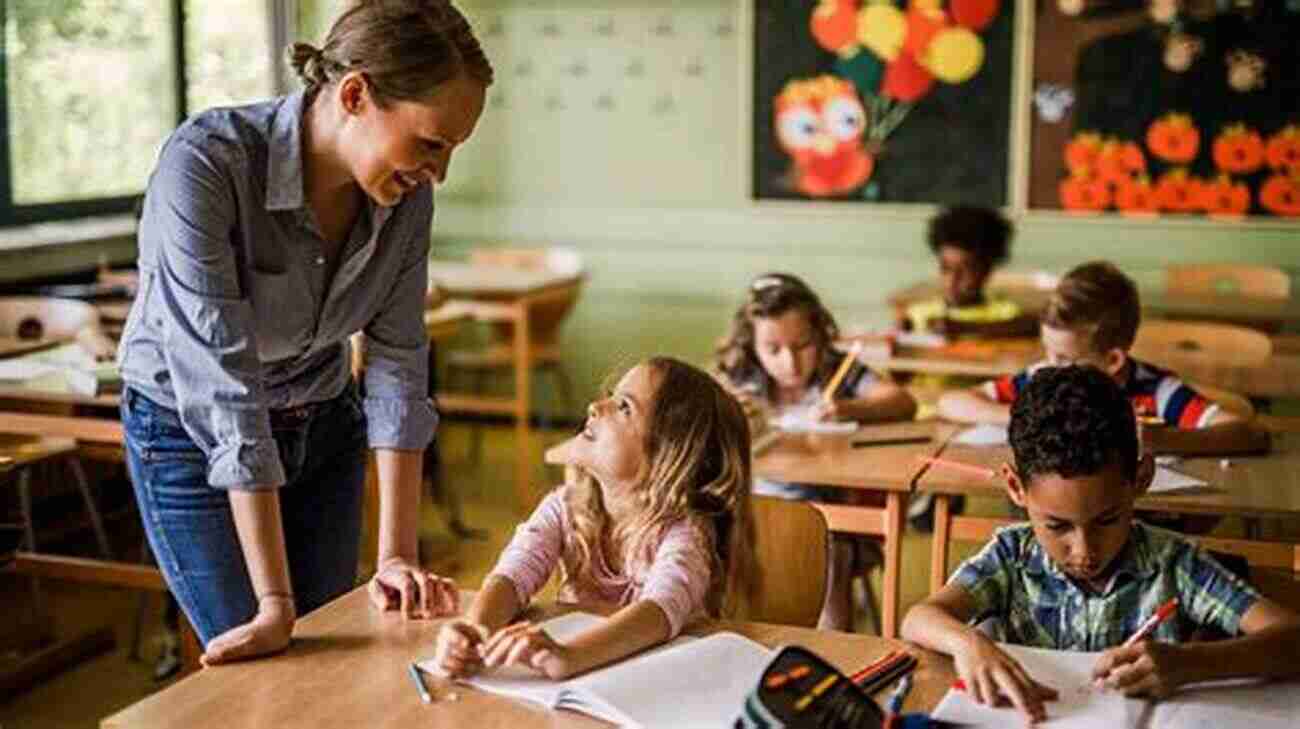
x=1226, y=342
x=45, y=317
x=544, y=325
x=1226, y=279
x=792, y=548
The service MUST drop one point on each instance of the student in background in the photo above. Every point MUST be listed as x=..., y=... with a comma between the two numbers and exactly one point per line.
x=1092, y=318
x=968, y=243
x=1083, y=574
x=779, y=355
x=658, y=524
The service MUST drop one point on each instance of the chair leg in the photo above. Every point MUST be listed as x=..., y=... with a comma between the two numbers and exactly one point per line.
x=872, y=614
x=141, y=606
x=476, y=430
x=29, y=538
x=96, y=521
x=565, y=388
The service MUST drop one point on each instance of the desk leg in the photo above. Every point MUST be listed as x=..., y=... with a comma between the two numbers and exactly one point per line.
x=889, y=598
x=191, y=649
x=523, y=397
x=939, y=542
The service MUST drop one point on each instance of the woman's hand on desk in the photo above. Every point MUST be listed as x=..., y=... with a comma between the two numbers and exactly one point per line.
x=992, y=677
x=525, y=644
x=401, y=585
x=268, y=632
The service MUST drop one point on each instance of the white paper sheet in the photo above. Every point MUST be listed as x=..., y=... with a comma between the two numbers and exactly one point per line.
x=1168, y=480
x=982, y=435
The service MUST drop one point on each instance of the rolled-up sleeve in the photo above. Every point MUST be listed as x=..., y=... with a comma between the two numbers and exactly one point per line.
x=397, y=404
x=206, y=319
x=680, y=576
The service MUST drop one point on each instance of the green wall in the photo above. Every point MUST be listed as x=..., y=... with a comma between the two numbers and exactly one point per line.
x=656, y=201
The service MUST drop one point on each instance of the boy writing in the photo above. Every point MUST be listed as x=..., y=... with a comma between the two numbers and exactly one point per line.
x=1083, y=574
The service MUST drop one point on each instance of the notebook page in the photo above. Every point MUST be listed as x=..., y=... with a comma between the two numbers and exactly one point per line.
x=699, y=683
x=1231, y=705
x=986, y=434
x=797, y=421
x=522, y=682
x=1167, y=480
x=1081, y=706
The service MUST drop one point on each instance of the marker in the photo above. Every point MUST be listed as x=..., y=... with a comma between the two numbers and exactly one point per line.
x=419, y=684
x=1162, y=614
x=900, y=693
x=902, y=440
x=875, y=665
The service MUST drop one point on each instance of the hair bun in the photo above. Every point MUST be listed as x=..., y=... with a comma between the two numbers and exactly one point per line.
x=309, y=62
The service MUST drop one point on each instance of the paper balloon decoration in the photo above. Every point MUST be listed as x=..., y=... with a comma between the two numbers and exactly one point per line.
x=954, y=55
x=905, y=79
x=834, y=24
x=882, y=28
x=974, y=14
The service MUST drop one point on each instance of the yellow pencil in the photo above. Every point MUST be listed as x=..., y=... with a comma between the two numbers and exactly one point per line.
x=829, y=393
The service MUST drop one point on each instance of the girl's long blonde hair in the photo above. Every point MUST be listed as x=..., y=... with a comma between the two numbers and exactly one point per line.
x=698, y=457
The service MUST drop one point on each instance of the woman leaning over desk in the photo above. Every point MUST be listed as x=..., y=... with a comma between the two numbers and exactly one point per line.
x=270, y=233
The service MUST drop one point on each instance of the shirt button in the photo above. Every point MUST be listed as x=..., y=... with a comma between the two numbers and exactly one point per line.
x=320, y=260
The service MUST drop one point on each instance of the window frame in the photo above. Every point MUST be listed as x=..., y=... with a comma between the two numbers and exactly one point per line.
x=15, y=215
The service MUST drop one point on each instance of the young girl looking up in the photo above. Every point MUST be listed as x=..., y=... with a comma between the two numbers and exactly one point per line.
x=780, y=354
x=657, y=523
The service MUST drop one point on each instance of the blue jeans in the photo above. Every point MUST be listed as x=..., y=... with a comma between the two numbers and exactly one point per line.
x=190, y=526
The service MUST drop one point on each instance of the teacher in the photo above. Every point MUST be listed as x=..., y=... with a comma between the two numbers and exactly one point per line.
x=270, y=233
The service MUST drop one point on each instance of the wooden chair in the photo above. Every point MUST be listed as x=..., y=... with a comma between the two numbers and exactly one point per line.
x=543, y=328
x=1228, y=279
x=792, y=550
x=1226, y=342
x=1035, y=280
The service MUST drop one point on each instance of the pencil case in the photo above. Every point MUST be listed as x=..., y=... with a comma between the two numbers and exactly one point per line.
x=800, y=690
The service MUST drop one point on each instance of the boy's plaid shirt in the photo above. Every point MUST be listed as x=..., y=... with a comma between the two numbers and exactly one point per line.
x=1033, y=603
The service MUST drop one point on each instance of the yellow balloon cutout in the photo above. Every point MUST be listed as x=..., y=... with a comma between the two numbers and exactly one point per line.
x=954, y=55
x=881, y=28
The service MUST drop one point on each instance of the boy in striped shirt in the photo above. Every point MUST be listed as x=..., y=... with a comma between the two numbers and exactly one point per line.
x=1092, y=318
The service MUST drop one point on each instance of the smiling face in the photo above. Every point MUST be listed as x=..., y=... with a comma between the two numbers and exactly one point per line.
x=612, y=443
x=391, y=150
x=1082, y=522
x=786, y=347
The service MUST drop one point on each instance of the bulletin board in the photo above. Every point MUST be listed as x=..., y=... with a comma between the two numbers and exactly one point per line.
x=880, y=101
x=1159, y=108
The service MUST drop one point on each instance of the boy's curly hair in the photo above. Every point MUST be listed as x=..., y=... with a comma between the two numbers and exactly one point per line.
x=1072, y=421
x=982, y=232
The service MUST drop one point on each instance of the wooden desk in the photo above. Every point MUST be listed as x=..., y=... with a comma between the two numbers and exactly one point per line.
x=965, y=358
x=348, y=667
x=503, y=294
x=831, y=460
x=1259, y=486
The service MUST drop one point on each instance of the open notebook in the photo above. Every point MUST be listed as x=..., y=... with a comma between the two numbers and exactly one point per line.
x=688, y=682
x=1222, y=705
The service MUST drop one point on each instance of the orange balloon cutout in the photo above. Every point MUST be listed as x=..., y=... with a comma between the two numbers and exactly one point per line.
x=834, y=24
x=974, y=14
x=905, y=80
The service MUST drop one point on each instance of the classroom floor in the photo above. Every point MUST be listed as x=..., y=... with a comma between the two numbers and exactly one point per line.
x=80, y=697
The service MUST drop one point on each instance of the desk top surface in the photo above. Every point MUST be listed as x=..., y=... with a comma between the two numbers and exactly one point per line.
x=1264, y=485
x=348, y=667
x=827, y=459
x=476, y=281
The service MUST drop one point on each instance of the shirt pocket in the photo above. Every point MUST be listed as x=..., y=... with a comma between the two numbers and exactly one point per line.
x=282, y=317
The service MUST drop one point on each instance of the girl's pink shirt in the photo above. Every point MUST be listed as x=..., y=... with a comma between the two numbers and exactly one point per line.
x=675, y=575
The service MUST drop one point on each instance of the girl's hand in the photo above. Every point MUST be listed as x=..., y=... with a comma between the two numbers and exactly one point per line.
x=268, y=632
x=1146, y=669
x=457, y=649
x=525, y=644
x=992, y=677
x=418, y=593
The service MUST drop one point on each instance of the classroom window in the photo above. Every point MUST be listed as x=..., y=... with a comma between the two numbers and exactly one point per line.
x=91, y=88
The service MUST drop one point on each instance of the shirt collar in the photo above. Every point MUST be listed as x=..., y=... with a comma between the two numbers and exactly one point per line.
x=284, y=156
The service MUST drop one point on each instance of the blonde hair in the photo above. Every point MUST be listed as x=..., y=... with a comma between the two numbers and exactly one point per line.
x=697, y=452
x=1098, y=300
x=405, y=48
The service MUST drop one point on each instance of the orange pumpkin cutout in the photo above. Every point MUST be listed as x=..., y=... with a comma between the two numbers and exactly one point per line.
x=1080, y=194
x=1223, y=198
x=1115, y=163
x=1281, y=196
x=1238, y=150
x=1081, y=153
x=1174, y=138
x=1131, y=157
x=834, y=25
x=1136, y=197
x=1178, y=192
x=1283, y=152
